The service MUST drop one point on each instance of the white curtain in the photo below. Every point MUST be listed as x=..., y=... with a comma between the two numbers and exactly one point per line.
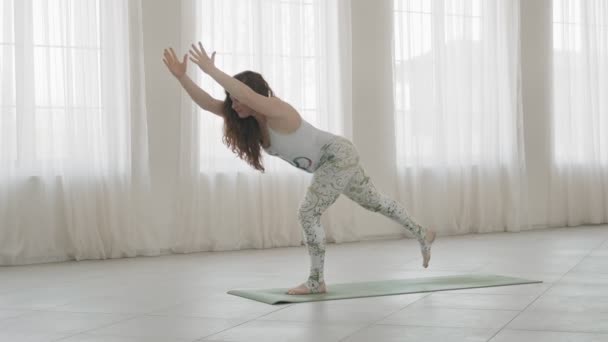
x=458, y=116
x=302, y=50
x=73, y=134
x=579, y=170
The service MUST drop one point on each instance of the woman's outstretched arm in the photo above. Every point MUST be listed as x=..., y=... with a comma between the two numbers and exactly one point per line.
x=198, y=95
x=265, y=105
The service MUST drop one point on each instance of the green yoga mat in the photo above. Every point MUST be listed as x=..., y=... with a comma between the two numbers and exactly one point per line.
x=383, y=288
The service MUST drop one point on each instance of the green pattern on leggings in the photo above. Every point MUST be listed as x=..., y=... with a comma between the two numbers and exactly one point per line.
x=339, y=172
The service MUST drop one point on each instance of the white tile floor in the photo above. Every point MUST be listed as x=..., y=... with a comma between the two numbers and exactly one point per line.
x=183, y=297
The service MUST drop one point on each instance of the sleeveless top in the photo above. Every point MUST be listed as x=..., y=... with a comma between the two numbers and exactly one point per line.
x=301, y=148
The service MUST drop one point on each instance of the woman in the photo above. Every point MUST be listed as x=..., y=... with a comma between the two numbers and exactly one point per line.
x=255, y=119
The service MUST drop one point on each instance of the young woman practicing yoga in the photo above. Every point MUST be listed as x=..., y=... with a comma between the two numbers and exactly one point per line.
x=255, y=119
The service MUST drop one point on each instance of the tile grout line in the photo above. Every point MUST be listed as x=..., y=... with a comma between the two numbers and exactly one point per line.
x=566, y=331
x=131, y=316
x=99, y=327
x=383, y=317
x=552, y=284
x=148, y=313
x=238, y=325
x=414, y=302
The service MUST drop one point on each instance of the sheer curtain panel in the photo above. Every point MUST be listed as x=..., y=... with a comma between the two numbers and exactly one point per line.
x=301, y=47
x=73, y=135
x=579, y=171
x=460, y=154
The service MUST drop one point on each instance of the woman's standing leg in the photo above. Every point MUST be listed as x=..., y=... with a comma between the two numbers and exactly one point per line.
x=362, y=190
x=337, y=166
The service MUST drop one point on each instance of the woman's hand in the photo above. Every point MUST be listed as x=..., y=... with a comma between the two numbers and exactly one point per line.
x=199, y=56
x=177, y=68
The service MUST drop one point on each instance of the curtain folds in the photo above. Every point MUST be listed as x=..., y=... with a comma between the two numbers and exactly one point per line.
x=73, y=133
x=579, y=168
x=302, y=50
x=458, y=119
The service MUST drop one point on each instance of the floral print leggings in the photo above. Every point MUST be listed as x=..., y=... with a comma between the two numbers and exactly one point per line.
x=339, y=172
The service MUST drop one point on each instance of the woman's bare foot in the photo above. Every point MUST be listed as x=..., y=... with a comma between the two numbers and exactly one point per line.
x=426, y=247
x=304, y=290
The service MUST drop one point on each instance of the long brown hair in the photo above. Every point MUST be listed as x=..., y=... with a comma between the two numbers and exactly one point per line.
x=244, y=136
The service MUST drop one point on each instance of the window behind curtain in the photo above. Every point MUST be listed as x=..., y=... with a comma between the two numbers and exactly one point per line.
x=426, y=33
x=284, y=40
x=7, y=82
x=51, y=98
x=580, y=82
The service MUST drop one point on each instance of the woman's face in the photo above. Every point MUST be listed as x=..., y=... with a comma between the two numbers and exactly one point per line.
x=242, y=110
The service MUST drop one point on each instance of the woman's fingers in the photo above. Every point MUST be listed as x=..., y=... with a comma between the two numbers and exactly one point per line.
x=200, y=50
x=196, y=56
x=173, y=54
x=169, y=57
x=195, y=49
x=167, y=64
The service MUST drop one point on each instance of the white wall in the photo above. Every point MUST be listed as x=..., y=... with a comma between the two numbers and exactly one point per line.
x=161, y=25
x=536, y=45
x=372, y=101
x=373, y=105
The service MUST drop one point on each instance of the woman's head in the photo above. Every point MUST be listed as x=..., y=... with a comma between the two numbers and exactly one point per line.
x=254, y=81
x=242, y=133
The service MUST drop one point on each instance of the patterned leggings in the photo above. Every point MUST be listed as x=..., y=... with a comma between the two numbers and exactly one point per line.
x=339, y=172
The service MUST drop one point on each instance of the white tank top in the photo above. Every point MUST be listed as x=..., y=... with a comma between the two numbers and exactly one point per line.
x=301, y=148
